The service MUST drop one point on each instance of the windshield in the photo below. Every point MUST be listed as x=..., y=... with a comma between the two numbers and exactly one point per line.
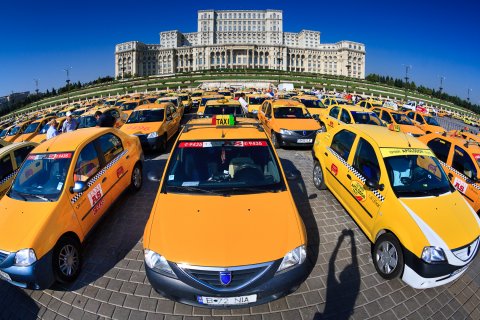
x=197, y=94
x=431, y=120
x=223, y=167
x=366, y=118
x=41, y=177
x=129, y=106
x=291, y=113
x=312, y=103
x=183, y=98
x=174, y=101
x=78, y=112
x=32, y=127
x=62, y=114
x=225, y=93
x=87, y=122
x=223, y=109
x=14, y=131
x=401, y=118
x=3, y=133
x=416, y=176
x=150, y=115
x=343, y=102
x=257, y=100
x=44, y=128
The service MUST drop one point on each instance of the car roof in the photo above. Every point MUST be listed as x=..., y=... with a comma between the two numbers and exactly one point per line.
x=385, y=138
x=203, y=129
x=71, y=140
x=351, y=108
x=306, y=97
x=148, y=106
x=15, y=146
x=286, y=103
x=222, y=102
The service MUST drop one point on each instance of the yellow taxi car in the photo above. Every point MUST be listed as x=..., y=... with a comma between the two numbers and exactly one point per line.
x=196, y=97
x=16, y=131
x=395, y=118
x=248, y=256
x=63, y=112
x=340, y=115
x=460, y=158
x=33, y=129
x=255, y=101
x=425, y=122
x=5, y=131
x=395, y=189
x=206, y=98
x=11, y=158
x=63, y=188
x=226, y=93
x=467, y=135
x=288, y=123
x=128, y=106
x=41, y=136
x=313, y=104
x=221, y=106
x=3, y=143
x=154, y=124
x=186, y=101
x=365, y=104
x=88, y=120
x=177, y=102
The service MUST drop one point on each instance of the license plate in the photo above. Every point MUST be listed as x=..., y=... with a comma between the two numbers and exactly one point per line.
x=304, y=140
x=5, y=276
x=224, y=301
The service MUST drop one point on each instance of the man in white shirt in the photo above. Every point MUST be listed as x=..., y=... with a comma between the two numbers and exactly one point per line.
x=52, y=129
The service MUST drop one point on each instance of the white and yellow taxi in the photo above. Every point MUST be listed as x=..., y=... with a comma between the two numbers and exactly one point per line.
x=393, y=186
x=63, y=188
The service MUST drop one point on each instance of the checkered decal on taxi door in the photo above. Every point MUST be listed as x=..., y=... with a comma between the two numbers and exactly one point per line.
x=98, y=175
x=356, y=173
x=11, y=175
x=461, y=175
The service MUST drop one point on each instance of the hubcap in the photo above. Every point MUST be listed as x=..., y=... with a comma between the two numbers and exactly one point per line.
x=386, y=257
x=68, y=260
x=137, y=177
x=317, y=175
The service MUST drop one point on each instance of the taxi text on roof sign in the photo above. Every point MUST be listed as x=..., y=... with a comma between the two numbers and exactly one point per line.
x=389, y=152
x=223, y=120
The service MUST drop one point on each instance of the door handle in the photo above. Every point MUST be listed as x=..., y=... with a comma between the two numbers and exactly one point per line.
x=349, y=176
x=128, y=156
x=104, y=179
x=450, y=176
x=326, y=154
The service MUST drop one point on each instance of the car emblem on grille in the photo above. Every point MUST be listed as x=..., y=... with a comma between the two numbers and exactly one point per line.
x=468, y=251
x=225, y=277
x=304, y=132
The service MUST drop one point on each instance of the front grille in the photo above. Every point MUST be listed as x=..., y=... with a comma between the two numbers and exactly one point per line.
x=241, y=276
x=466, y=252
x=3, y=256
x=307, y=132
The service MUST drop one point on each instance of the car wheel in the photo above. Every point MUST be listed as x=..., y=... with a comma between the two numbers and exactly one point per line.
x=275, y=140
x=67, y=260
x=318, y=177
x=137, y=178
x=162, y=143
x=387, y=256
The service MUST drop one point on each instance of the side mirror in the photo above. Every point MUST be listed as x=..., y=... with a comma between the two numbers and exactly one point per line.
x=293, y=174
x=152, y=176
x=373, y=185
x=78, y=187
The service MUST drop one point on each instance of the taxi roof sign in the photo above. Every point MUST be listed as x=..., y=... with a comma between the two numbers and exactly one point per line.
x=223, y=120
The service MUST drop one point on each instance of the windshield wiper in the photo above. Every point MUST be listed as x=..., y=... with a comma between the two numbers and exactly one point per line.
x=252, y=189
x=40, y=197
x=18, y=193
x=193, y=189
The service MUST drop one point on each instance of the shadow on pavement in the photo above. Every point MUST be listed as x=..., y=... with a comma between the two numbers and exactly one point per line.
x=16, y=304
x=342, y=293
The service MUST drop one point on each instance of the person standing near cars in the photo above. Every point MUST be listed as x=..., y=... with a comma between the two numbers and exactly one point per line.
x=70, y=123
x=52, y=129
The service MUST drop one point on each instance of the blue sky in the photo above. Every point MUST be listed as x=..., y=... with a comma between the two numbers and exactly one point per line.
x=38, y=39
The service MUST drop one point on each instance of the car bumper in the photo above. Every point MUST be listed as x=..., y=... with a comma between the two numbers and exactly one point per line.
x=149, y=143
x=37, y=276
x=421, y=275
x=268, y=287
x=295, y=140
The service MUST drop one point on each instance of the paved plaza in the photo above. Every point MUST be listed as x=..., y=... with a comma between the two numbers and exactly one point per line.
x=342, y=283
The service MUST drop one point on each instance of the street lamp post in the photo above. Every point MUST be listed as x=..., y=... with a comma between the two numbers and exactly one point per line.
x=468, y=94
x=36, y=90
x=67, y=70
x=441, y=84
x=407, y=68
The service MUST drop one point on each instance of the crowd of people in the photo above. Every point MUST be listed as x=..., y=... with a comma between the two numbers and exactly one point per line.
x=71, y=124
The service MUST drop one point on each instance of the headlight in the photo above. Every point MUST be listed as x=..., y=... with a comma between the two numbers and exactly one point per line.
x=152, y=135
x=286, y=132
x=433, y=254
x=25, y=257
x=295, y=257
x=255, y=111
x=158, y=262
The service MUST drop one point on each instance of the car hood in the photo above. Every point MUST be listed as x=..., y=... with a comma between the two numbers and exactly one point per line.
x=411, y=129
x=296, y=124
x=141, y=128
x=26, y=137
x=20, y=222
x=224, y=231
x=449, y=216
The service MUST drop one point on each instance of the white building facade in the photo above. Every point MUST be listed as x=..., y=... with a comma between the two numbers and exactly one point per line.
x=239, y=39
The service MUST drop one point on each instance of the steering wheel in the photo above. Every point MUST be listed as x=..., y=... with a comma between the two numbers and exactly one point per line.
x=248, y=172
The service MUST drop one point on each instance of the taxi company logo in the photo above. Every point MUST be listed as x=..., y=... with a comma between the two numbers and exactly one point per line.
x=358, y=191
x=225, y=277
x=334, y=169
x=304, y=132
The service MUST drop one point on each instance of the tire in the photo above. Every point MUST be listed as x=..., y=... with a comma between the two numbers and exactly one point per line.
x=387, y=256
x=275, y=140
x=67, y=260
x=318, y=177
x=162, y=143
x=136, y=181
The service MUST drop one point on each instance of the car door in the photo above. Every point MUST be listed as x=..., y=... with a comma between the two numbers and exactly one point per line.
x=7, y=172
x=332, y=118
x=467, y=174
x=336, y=166
x=172, y=120
x=262, y=111
x=385, y=116
x=365, y=166
x=92, y=203
x=345, y=117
